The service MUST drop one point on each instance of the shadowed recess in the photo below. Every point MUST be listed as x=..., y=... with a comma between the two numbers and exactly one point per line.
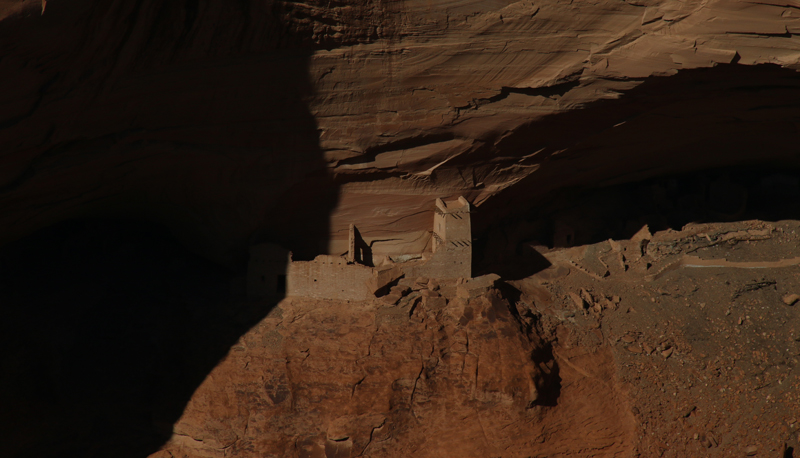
x=149, y=145
x=672, y=150
x=725, y=116
x=584, y=216
x=107, y=328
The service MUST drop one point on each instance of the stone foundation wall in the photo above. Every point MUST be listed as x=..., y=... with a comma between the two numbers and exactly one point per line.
x=329, y=277
x=446, y=264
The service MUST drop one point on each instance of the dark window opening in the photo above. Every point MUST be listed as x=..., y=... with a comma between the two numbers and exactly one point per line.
x=280, y=287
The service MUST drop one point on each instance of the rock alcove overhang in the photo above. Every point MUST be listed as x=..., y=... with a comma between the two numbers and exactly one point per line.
x=723, y=116
x=693, y=120
x=241, y=124
x=219, y=203
x=697, y=126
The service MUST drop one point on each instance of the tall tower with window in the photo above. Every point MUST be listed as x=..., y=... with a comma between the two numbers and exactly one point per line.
x=452, y=238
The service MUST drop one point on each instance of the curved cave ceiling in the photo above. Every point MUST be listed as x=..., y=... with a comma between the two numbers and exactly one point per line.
x=721, y=117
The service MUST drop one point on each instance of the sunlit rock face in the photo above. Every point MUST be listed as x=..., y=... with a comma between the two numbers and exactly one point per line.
x=288, y=121
x=505, y=101
x=322, y=378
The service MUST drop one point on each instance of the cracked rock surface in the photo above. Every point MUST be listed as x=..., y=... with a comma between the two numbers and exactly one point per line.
x=469, y=378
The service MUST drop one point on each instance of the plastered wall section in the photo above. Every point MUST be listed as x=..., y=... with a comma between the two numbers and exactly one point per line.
x=446, y=264
x=457, y=226
x=452, y=245
x=329, y=277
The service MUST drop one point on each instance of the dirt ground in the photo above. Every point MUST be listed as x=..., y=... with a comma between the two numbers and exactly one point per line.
x=702, y=329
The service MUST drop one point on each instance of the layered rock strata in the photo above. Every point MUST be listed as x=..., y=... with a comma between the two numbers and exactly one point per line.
x=235, y=125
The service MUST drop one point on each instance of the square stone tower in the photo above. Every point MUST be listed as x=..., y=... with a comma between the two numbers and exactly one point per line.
x=452, y=240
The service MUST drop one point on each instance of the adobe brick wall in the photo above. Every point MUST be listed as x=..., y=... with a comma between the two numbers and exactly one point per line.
x=445, y=264
x=329, y=277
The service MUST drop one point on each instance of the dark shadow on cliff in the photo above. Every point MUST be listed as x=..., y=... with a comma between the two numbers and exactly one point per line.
x=170, y=137
x=595, y=165
x=584, y=216
x=668, y=202
x=549, y=382
x=107, y=328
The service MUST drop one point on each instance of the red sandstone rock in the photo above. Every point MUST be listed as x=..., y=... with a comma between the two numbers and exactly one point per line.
x=327, y=378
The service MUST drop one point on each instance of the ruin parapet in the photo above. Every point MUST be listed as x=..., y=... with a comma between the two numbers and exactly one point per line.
x=329, y=277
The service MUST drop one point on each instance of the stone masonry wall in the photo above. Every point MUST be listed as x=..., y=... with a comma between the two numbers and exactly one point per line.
x=446, y=264
x=329, y=277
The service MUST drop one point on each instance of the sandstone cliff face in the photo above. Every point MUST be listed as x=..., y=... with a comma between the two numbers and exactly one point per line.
x=216, y=119
x=475, y=98
x=240, y=122
x=334, y=379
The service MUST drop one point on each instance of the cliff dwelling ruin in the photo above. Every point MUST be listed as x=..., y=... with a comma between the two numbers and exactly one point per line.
x=272, y=272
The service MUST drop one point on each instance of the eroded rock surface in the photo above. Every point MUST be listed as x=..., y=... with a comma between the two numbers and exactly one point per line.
x=422, y=378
